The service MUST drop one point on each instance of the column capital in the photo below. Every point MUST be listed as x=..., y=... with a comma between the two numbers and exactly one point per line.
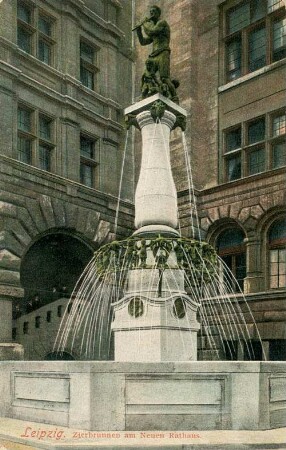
x=148, y=118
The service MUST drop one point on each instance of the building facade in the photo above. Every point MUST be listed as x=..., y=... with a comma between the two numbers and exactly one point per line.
x=230, y=58
x=66, y=77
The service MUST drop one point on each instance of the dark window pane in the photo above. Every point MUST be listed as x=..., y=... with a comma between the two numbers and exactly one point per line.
x=279, y=155
x=274, y=4
x=24, y=39
x=279, y=125
x=277, y=232
x=256, y=131
x=25, y=327
x=279, y=39
x=238, y=18
x=44, y=52
x=37, y=322
x=45, y=157
x=45, y=127
x=25, y=150
x=230, y=239
x=277, y=350
x=234, y=59
x=256, y=161
x=49, y=316
x=233, y=139
x=258, y=9
x=86, y=147
x=86, y=174
x=87, y=52
x=24, y=13
x=240, y=268
x=86, y=77
x=45, y=26
x=252, y=351
x=230, y=350
x=24, y=119
x=257, y=49
x=234, y=168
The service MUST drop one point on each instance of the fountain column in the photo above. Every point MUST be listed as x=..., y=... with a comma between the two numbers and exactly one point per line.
x=155, y=320
x=156, y=195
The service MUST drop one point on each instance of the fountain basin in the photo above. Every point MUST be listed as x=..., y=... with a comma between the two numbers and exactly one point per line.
x=146, y=396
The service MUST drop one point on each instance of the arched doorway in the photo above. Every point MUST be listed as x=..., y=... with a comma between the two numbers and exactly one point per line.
x=51, y=267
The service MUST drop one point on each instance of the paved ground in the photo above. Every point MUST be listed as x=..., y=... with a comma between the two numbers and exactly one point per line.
x=20, y=435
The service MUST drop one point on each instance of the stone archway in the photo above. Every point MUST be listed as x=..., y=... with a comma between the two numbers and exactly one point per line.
x=51, y=267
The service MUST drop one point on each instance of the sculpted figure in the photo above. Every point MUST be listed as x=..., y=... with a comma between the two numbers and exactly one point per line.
x=150, y=79
x=157, y=32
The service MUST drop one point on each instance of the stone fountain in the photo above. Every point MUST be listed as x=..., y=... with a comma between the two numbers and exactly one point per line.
x=155, y=381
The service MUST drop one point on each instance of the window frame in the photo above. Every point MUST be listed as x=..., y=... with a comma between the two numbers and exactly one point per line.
x=92, y=162
x=34, y=137
x=233, y=252
x=36, y=35
x=243, y=35
x=89, y=66
x=278, y=245
x=266, y=145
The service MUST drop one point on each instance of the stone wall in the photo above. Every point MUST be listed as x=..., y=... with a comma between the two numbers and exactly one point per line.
x=130, y=396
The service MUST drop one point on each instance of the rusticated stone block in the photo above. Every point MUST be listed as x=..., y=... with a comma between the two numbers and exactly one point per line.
x=35, y=211
x=235, y=209
x=205, y=223
x=256, y=211
x=91, y=224
x=244, y=214
x=59, y=212
x=47, y=210
x=102, y=232
x=8, y=242
x=213, y=214
x=6, y=209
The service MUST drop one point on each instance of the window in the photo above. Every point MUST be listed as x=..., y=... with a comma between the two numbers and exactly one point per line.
x=277, y=350
x=25, y=135
x=34, y=147
x=255, y=146
x=35, y=32
x=88, y=67
x=248, y=28
x=230, y=350
x=88, y=161
x=25, y=327
x=278, y=141
x=231, y=249
x=37, y=321
x=256, y=131
x=277, y=254
x=14, y=333
x=49, y=316
x=60, y=311
x=252, y=351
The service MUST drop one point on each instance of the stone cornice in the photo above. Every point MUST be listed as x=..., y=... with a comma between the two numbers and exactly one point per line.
x=254, y=297
x=62, y=184
x=65, y=99
x=242, y=184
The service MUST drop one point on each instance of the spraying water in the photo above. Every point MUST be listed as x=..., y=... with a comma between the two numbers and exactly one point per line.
x=153, y=275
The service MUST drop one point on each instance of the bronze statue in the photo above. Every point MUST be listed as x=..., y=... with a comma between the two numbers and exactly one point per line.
x=157, y=32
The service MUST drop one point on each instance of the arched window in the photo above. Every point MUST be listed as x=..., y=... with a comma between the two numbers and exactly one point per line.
x=231, y=249
x=277, y=254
